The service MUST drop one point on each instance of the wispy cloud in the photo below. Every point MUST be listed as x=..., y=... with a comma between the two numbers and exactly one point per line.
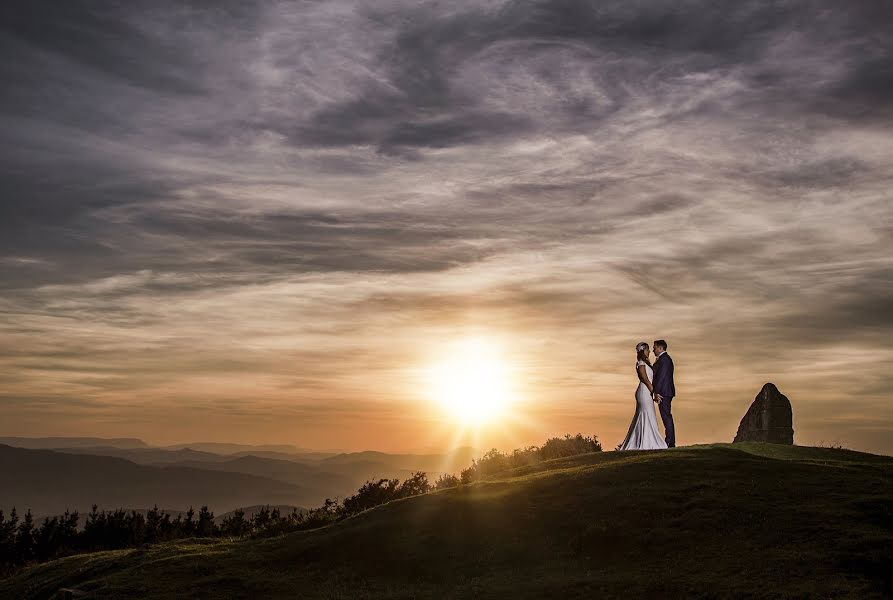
x=273, y=211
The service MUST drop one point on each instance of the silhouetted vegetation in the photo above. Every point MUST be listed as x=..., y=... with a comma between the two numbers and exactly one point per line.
x=447, y=480
x=494, y=462
x=374, y=493
x=22, y=542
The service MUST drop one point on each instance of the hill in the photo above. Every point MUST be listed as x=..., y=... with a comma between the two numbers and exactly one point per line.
x=453, y=460
x=145, y=456
x=46, y=482
x=743, y=520
x=315, y=480
x=227, y=448
x=49, y=482
x=47, y=443
x=338, y=475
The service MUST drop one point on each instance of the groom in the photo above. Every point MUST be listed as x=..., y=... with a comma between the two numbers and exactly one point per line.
x=664, y=390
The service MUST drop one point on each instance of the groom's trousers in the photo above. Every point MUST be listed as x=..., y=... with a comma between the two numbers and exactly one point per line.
x=667, y=418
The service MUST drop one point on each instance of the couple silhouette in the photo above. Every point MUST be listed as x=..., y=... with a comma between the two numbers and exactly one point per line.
x=655, y=386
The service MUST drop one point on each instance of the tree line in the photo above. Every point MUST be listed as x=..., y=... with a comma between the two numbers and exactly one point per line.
x=22, y=541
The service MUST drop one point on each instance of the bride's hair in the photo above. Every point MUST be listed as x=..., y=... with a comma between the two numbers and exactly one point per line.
x=640, y=352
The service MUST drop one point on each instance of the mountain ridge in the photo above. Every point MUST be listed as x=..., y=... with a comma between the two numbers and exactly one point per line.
x=50, y=482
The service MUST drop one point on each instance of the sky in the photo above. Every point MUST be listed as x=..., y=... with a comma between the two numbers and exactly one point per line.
x=270, y=222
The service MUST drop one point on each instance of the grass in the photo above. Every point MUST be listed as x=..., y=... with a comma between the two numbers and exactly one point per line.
x=743, y=520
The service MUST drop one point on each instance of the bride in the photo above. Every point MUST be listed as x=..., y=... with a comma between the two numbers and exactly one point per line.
x=643, y=433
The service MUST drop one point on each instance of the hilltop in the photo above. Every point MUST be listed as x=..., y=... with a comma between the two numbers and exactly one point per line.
x=704, y=521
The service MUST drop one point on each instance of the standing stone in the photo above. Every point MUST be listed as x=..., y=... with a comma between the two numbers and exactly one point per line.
x=769, y=419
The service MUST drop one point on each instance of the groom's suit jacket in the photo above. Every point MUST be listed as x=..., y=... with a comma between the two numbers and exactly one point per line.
x=663, y=376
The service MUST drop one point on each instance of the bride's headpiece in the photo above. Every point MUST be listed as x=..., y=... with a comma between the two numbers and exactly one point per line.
x=641, y=346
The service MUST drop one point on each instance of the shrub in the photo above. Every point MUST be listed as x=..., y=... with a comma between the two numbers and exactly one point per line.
x=569, y=446
x=445, y=481
x=415, y=485
x=496, y=462
x=371, y=494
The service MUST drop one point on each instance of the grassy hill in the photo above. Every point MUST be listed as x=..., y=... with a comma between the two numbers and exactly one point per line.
x=747, y=520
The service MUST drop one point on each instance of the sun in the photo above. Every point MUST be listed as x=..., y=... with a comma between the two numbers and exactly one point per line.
x=472, y=382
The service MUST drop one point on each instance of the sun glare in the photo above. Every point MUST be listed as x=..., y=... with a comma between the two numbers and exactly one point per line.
x=473, y=382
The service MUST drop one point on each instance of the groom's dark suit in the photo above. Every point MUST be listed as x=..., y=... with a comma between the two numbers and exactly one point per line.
x=663, y=385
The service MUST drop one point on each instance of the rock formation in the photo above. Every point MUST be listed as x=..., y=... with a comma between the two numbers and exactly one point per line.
x=769, y=419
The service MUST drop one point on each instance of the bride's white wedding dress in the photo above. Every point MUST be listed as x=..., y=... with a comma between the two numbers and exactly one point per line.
x=643, y=433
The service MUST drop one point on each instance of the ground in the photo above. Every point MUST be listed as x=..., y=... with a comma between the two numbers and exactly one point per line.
x=741, y=520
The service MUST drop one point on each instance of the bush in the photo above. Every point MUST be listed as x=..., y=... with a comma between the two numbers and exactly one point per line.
x=415, y=485
x=446, y=481
x=569, y=446
x=234, y=525
x=496, y=462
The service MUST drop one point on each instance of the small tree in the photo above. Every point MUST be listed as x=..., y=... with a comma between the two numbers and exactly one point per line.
x=371, y=494
x=235, y=524
x=8, y=528
x=415, y=485
x=492, y=462
x=524, y=457
x=136, y=529
x=447, y=480
x=205, y=526
x=469, y=474
x=188, y=525
x=46, y=539
x=166, y=528
x=24, y=546
x=261, y=519
x=153, y=525
x=569, y=446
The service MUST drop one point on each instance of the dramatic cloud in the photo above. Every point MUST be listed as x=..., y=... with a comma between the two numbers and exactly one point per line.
x=257, y=221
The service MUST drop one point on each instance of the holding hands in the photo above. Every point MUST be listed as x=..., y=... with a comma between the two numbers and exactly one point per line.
x=643, y=433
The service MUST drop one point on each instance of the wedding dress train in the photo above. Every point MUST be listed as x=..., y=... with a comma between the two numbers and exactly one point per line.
x=643, y=433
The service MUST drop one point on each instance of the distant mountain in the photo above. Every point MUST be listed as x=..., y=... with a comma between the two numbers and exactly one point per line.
x=360, y=471
x=450, y=462
x=48, y=482
x=302, y=457
x=148, y=456
x=138, y=451
x=319, y=483
x=72, y=442
x=342, y=474
x=224, y=448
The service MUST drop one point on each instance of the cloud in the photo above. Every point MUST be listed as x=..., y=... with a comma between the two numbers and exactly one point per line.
x=277, y=205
